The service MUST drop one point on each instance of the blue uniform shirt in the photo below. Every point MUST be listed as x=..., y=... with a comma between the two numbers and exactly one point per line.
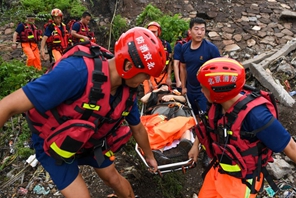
x=169, y=48
x=275, y=136
x=76, y=26
x=20, y=28
x=177, y=51
x=194, y=59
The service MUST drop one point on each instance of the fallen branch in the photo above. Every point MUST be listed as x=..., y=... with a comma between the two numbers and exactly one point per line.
x=16, y=177
x=111, y=25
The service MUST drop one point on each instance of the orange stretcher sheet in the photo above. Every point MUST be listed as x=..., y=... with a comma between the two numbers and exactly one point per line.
x=162, y=132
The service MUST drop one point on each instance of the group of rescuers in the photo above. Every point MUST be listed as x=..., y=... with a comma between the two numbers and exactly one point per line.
x=92, y=96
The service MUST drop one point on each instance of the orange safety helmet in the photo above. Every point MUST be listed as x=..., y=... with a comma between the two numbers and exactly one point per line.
x=56, y=12
x=154, y=26
x=142, y=48
x=223, y=77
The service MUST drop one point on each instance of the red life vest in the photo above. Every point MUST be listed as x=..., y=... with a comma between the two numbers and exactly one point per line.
x=90, y=121
x=58, y=39
x=181, y=41
x=224, y=140
x=85, y=31
x=227, y=130
x=30, y=34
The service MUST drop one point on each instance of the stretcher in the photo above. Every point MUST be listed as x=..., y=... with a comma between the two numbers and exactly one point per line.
x=176, y=165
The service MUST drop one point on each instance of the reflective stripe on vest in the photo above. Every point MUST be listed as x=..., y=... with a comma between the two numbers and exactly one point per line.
x=61, y=152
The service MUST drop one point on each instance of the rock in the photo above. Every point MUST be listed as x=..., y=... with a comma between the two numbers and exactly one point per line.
x=232, y=47
x=279, y=168
x=251, y=42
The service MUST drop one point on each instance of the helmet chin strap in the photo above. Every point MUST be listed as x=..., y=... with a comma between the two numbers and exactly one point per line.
x=123, y=82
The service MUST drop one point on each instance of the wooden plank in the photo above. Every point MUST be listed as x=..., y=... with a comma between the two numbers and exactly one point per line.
x=267, y=81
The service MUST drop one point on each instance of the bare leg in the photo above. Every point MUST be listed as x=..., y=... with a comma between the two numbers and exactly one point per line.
x=77, y=189
x=186, y=135
x=119, y=184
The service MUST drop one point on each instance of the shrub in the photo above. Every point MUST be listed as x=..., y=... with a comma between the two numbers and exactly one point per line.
x=14, y=75
x=172, y=26
x=119, y=26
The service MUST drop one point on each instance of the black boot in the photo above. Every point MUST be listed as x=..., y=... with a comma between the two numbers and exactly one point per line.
x=160, y=157
x=180, y=153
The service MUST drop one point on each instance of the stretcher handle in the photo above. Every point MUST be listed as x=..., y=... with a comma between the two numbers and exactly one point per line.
x=191, y=110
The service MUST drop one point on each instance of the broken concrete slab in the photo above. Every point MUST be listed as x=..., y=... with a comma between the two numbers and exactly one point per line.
x=258, y=58
x=267, y=81
x=285, y=50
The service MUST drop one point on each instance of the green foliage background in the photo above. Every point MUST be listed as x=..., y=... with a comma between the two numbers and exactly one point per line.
x=15, y=74
x=41, y=8
x=172, y=25
x=73, y=7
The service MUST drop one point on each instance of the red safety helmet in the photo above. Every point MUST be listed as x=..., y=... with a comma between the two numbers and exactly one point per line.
x=142, y=48
x=56, y=12
x=154, y=26
x=223, y=77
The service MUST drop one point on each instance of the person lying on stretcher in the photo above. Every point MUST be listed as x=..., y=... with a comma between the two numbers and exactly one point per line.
x=168, y=122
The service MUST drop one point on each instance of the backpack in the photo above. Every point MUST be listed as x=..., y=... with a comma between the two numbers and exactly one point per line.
x=266, y=94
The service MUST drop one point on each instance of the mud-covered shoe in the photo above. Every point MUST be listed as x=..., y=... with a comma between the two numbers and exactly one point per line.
x=180, y=153
x=161, y=158
x=172, y=153
x=184, y=146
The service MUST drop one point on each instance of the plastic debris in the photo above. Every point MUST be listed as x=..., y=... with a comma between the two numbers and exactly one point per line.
x=288, y=194
x=32, y=161
x=22, y=191
x=287, y=84
x=292, y=93
x=194, y=195
x=269, y=191
x=111, y=196
x=11, y=146
x=40, y=190
x=58, y=193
